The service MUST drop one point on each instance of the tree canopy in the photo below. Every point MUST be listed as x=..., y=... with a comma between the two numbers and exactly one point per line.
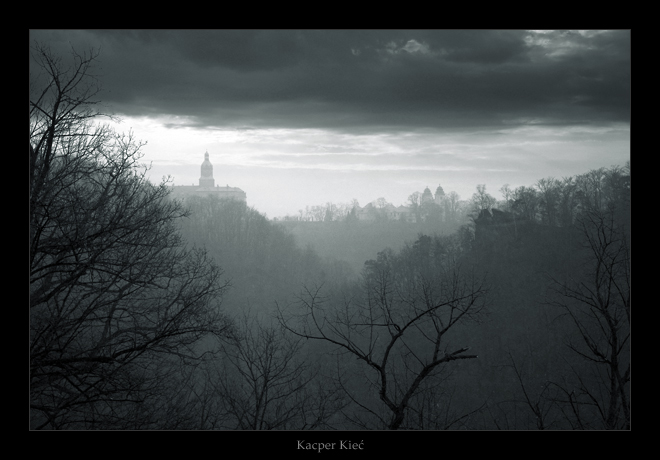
x=117, y=300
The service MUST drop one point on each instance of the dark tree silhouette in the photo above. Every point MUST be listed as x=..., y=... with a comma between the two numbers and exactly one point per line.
x=117, y=301
x=597, y=302
x=265, y=382
x=397, y=324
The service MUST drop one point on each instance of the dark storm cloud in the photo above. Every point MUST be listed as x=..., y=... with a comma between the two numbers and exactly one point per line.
x=361, y=79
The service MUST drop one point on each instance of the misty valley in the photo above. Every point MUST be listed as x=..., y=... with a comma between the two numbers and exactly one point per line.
x=509, y=316
x=152, y=310
x=512, y=316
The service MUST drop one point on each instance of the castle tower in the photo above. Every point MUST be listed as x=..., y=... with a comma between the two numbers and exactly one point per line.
x=427, y=195
x=206, y=180
x=207, y=186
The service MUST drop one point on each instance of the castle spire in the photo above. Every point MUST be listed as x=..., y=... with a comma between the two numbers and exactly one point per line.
x=206, y=179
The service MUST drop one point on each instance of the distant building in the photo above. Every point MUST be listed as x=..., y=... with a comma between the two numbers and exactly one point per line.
x=427, y=196
x=207, y=186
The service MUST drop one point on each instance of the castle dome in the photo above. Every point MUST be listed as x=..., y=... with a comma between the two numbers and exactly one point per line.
x=207, y=186
x=206, y=179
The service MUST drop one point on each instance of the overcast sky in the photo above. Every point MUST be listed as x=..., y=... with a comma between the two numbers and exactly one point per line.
x=298, y=118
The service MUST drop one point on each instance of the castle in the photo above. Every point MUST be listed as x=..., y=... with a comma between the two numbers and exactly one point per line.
x=402, y=213
x=207, y=186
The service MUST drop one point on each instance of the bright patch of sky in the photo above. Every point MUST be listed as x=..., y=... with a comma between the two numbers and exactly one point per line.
x=391, y=165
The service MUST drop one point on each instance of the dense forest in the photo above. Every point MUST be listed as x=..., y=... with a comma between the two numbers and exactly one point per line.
x=354, y=241
x=148, y=312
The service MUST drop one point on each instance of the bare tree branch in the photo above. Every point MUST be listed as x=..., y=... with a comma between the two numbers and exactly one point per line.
x=398, y=325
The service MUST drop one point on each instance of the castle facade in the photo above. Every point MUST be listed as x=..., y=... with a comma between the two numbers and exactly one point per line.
x=207, y=186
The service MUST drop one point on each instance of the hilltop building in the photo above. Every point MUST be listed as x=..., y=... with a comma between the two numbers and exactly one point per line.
x=373, y=211
x=427, y=196
x=207, y=186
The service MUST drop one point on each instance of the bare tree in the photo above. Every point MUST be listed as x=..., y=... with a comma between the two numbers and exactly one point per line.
x=540, y=403
x=331, y=212
x=526, y=202
x=265, y=384
x=452, y=204
x=567, y=202
x=415, y=203
x=482, y=200
x=598, y=306
x=116, y=299
x=549, y=199
x=397, y=325
x=415, y=199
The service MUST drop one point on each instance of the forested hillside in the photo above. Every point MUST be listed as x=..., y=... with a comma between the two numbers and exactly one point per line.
x=552, y=334
x=475, y=322
x=356, y=242
x=262, y=261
